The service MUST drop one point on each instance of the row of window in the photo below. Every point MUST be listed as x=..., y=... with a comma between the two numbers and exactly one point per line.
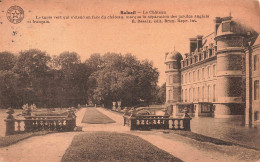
x=204, y=93
x=206, y=53
x=199, y=74
x=208, y=93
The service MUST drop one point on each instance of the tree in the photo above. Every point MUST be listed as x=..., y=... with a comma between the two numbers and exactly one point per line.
x=161, y=94
x=67, y=59
x=123, y=78
x=7, y=60
x=9, y=89
x=32, y=62
x=73, y=78
x=33, y=69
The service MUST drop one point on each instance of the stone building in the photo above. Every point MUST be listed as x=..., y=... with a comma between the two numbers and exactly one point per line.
x=211, y=79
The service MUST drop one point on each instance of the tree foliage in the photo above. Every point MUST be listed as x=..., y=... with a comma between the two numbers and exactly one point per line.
x=7, y=60
x=35, y=77
x=123, y=78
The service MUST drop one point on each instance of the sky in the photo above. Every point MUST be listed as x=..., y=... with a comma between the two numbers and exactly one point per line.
x=88, y=36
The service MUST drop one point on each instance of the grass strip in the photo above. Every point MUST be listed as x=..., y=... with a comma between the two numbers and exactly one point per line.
x=202, y=138
x=93, y=116
x=12, y=139
x=111, y=146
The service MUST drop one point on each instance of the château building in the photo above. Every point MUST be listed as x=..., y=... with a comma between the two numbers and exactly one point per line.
x=212, y=79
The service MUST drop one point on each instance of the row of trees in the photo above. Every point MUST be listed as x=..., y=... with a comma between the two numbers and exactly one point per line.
x=34, y=77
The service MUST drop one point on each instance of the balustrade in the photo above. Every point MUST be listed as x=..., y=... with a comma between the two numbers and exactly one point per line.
x=38, y=123
x=147, y=122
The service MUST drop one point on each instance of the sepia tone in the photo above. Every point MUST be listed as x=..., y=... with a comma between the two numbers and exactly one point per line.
x=129, y=80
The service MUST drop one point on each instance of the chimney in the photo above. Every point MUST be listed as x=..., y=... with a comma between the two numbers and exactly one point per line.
x=218, y=21
x=193, y=44
x=199, y=42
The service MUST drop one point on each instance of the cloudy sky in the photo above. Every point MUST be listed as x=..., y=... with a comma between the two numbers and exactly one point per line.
x=146, y=41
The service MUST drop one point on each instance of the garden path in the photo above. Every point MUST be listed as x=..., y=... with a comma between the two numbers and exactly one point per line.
x=51, y=147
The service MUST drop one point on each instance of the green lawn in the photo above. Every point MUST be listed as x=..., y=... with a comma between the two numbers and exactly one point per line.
x=93, y=116
x=108, y=146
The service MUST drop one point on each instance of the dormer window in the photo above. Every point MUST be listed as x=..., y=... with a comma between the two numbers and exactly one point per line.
x=210, y=52
x=226, y=27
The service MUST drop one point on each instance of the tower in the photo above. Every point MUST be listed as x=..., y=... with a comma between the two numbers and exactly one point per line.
x=232, y=38
x=173, y=77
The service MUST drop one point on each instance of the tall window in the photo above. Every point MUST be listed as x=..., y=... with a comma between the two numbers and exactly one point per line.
x=194, y=76
x=256, y=62
x=170, y=94
x=202, y=91
x=198, y=74
x=256, y=89
x=208, y=71
x=203, y=74
x=198, y=94
x=182, y=94
x=214, y=92
x=189, y=76
x=186, y=78
x=189, y=94
x=214, y=70
x=170, y=79
x=170, y=66
x=182, y=79
x=193, y=96
x=209, y=96
x=185, y=95
x=210, y=52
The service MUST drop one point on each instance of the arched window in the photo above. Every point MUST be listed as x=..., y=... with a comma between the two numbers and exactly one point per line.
x=256, y=89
